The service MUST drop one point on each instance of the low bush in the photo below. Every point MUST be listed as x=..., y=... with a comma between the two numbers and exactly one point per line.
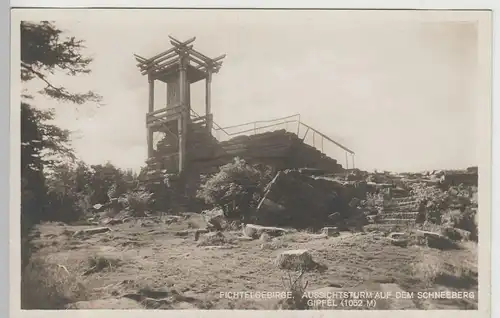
x=236, y=188
x=465, y=219
x=296, y=286
x=138, y=201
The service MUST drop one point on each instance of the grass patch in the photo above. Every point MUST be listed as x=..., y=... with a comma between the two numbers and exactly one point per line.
x=214, y=239
x=274, y=244
x=99, y=263
x=48, y=286
x=457, y=273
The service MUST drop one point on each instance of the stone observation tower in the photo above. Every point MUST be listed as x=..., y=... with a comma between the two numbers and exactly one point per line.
x=177, y=68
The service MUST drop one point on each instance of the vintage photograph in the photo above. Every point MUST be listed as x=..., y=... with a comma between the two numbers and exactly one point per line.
x=250, y=159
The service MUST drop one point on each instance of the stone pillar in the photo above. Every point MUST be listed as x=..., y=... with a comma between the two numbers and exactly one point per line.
x=208, y=101
x=183, y=121
x=151, y=107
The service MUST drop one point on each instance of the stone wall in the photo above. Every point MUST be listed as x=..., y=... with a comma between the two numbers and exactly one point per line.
x=279, y=149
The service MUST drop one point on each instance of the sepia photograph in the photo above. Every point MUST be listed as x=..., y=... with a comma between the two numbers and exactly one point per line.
x=188, y=159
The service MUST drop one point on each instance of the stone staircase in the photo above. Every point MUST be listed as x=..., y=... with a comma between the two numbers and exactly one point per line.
x=307, y=156
x=399, y=212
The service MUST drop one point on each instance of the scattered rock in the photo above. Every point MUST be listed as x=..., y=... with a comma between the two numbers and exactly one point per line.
x=397, y=235
x=182, y=233
x=161, y=292
x=266, y=246
x=98, y=207
x=198, y=232
x=255, y=231
x=213, y=239
x=97, y=230
x=111, y=221
x=274, y=244
x=330, y=231
x=400, y=239
x=244, y=238
x=399, y=242
x=219, y=247
x=152, y=303
x=264, y=237
x=171, y=219
x=316, y=237
x=125, y=220
x=295, y=260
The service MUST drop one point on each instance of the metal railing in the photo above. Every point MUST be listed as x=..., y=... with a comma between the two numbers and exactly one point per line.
x=292, y=124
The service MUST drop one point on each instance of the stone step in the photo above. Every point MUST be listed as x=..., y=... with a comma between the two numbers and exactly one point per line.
x=400, y=209
x=396, y=221
x=387, y=227
x=404, y=203
x=399, y=215
x=404, y=200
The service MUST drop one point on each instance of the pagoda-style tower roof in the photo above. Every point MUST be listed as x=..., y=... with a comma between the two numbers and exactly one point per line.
x=166, y=64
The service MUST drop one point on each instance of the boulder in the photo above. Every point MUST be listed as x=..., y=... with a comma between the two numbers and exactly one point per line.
x=295, y=260
x=299, y=200
x=214, y=218
x=269, y=205
x=436, y=240
x=455, y=234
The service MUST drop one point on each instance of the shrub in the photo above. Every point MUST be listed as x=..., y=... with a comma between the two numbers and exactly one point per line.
x=296, y=286
x=138, y=201
x=464, y=219
x=66, y=205
x=47, y=286
x=236, y=188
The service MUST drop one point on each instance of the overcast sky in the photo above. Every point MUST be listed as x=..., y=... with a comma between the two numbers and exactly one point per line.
x=398, y=89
